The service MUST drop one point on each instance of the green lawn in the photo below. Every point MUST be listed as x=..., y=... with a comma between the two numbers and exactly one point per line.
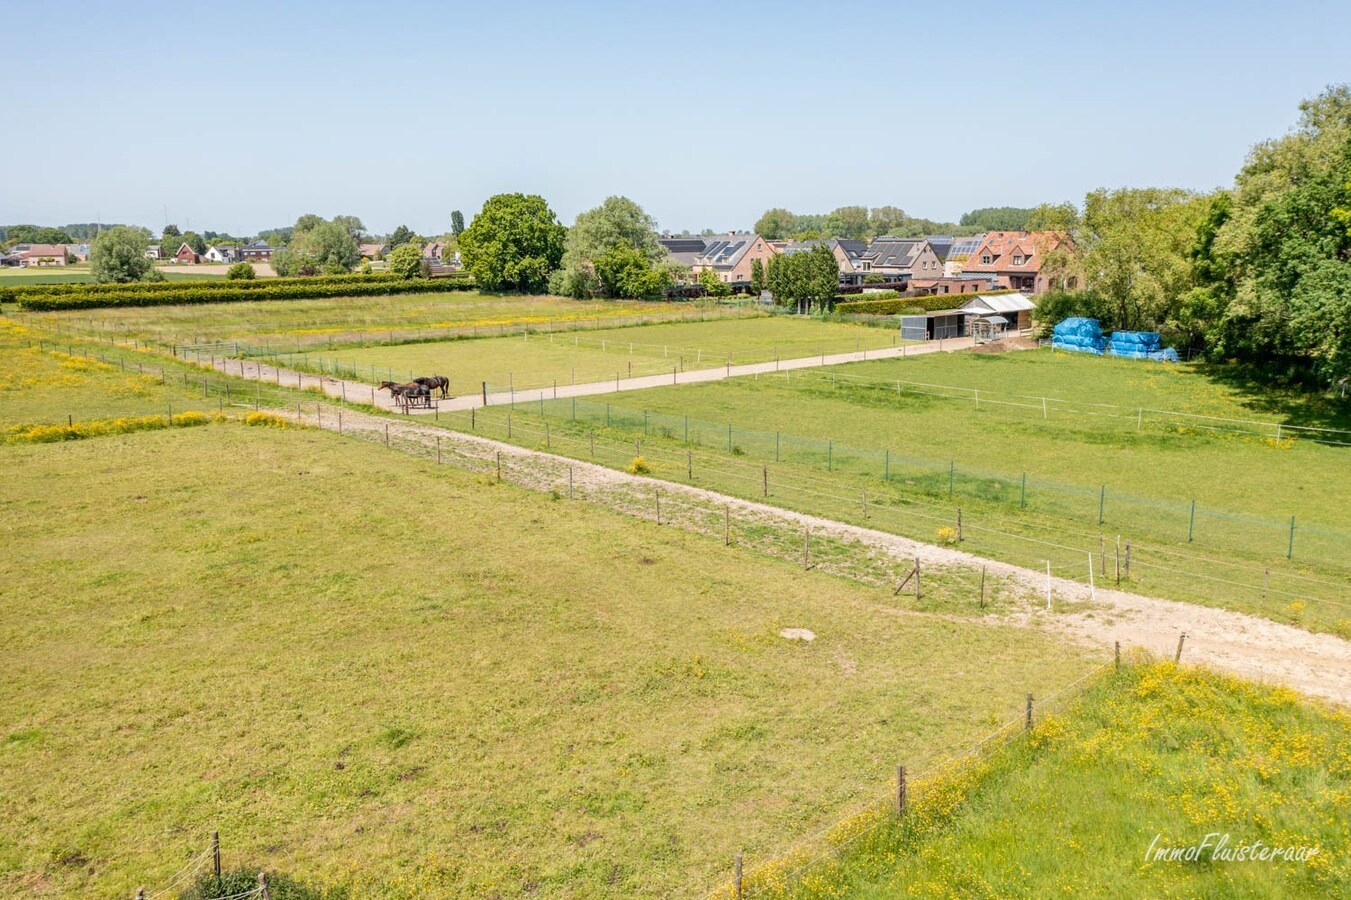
x=367, y=670
x=1154, y=756
x=538, y=360
x=824, y=441
x=284, y=324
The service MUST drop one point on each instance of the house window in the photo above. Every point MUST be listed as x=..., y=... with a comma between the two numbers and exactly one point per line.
x=1017, y=260
x=985, y=260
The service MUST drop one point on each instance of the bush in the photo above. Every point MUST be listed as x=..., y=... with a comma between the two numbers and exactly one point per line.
x=908, y=304
x=181, y=293
x=240, y=270
x=405, y=261
x=241, y=881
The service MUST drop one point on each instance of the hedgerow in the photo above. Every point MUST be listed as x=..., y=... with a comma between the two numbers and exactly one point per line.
x=180, y=293
x=909, y=304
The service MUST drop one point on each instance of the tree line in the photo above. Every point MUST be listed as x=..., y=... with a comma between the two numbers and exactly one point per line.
x=1259, y=272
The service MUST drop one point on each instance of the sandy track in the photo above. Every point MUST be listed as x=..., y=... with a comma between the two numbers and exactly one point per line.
x=362, y=392
x=1255, y=648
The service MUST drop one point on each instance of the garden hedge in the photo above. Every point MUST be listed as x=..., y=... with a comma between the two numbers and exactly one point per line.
x=908, y=304
x=175, y=293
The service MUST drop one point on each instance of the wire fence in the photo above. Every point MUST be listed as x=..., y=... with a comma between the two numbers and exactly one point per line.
x=905, y=477
x=875, y=817
x=367, y=331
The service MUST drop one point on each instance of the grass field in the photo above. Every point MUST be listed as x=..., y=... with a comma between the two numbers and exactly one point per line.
x=1155, y=756
x=284, y=324
x=537, y=360
x=344, y=660
x=80, y=275
x=919, y=458
x=38, y=387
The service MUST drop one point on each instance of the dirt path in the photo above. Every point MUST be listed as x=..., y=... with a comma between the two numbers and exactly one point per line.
x=1255, y=648
x=362, y=392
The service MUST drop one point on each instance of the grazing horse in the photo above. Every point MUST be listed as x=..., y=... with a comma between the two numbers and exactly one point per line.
x=435, y=382
x=405, y=394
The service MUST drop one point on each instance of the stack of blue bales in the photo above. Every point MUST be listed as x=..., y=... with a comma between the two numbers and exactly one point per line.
x=1079, y=335
x=1140, y=345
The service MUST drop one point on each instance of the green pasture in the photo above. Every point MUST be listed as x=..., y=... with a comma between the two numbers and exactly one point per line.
x=1153, y=757
x=373, y=672
x=279, y=325
x=540, y=359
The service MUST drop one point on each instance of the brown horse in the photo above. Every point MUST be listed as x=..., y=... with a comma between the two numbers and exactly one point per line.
x=435, y=382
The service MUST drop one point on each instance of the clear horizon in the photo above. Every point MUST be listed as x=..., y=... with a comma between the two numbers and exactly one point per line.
x=705, y=115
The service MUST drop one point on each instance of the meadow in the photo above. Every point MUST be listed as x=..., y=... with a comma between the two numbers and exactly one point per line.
x=540, y=359
x=346, y=664
x=51, y=387
x=80, y=275
x=907, y=462
x=1153, y=755
x=343, y=321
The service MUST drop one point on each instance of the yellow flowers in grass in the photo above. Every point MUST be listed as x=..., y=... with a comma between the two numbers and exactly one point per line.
x=49, y=434
x=266, y=420
x=639, y=466
x=947, y=535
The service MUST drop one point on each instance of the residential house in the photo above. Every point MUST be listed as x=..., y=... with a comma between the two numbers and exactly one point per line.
x=77, y=252
x=958, y=251
x=730, y=257
x=973, y=284
x=372, y=251
x=433, y=251
x=218, y=254
x=685, y=251
x=153, y=252
x=258, y=251
x=186, y=254
x=35, y=255
x=1014, y=258
x=901, y=259
x=1007, y=312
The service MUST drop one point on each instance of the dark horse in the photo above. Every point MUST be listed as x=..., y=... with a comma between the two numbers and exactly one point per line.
x=405, y=394
x=435, y=382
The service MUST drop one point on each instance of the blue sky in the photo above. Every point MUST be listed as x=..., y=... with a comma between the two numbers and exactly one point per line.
x=241, y=116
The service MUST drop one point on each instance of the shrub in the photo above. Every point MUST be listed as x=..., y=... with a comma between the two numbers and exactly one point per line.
x=181, y=293
x=266, y=420
x=639, y=466
x=240, y=270
x=405, y=261
x=241, y=881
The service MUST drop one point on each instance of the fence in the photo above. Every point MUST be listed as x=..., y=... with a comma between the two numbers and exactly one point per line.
x=639, y=359
x=208, y=859
x=363, y=333
x=791, y=869
x=904, y=477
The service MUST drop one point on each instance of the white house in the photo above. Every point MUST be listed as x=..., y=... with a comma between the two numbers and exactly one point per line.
x=222, y=254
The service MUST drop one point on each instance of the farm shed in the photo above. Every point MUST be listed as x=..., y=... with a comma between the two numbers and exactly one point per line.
x=946, y=323
x=1016, y=309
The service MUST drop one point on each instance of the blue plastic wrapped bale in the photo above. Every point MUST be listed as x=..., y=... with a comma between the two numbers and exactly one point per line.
x=1141, y=340
x=1077, y=327
x=1168, y=354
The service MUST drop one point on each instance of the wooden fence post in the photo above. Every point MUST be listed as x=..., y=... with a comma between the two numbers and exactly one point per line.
x=140, y=893
x=727, y=526
x=900, y=790
x=982, y=587
x=736, y=878
x=386, y=434
x=499, y=465
x=656, y=497
x=1128, y=559
x=262, y=886
x=438, y=451
x=1118, y=656
x=806, y=544
x=215, y=852
x=1028, y=726
x=1180, y=639
x=959, y=524
x=764, y=479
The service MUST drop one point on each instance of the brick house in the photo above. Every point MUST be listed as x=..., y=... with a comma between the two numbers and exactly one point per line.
x=900, y=259
x=258, y=251
x=731, y=257
x=1014, y=259
x=186, y=254
x=35, y=255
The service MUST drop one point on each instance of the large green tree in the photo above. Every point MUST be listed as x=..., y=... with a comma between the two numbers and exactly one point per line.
x=1280, y=257
x=804, y=279
x=996, y=218
x=456, y=223
x=319, y=247
x=618, y=224
x=513, y=243
x=776, y=224
x=118, y=255
x=405, y=260
x=400, y=236
x=848, y=222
